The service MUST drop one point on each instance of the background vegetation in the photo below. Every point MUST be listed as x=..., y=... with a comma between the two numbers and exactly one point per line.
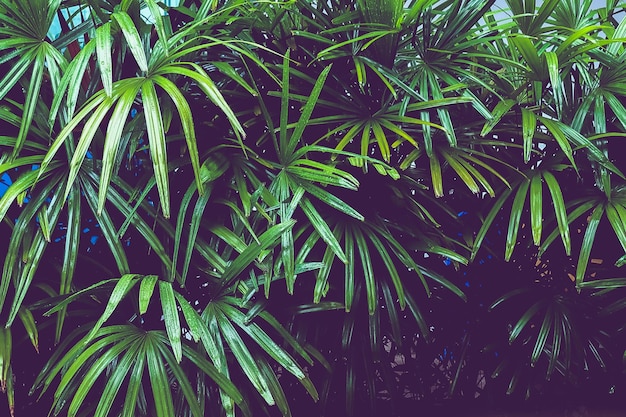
x=310, y=207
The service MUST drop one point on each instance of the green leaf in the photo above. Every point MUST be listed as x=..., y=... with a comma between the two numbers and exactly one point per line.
x=523, y=321
x=381, y=139
x=146, y=289
x=542, y=15
x=264, y=341
x=69, y=88
x=134, y=383
x=560, y=137
x=6, y=349
x=104, y=48
x=332, y=200
x=392, y=312
x=95, y=370
x=132, y=38
x=32, y=96
x=321, y=279
x=287, y=254
x=461, y=170
x=27, y=319
x=155, y=11
x=209, y=88
x=82, y=353
x=71, y=251
x=275, y=387
x=322, y=228
x=194, y=227
x=89, y=131
x=529, y=53
x=435, y=174
x=587, y=243
x=107, y=226
x=616, y=105
x=244, y=358
x=156, y=137
x=498, y=112
x=180, y=223
x=186, y=120
x=418, y=316
x=115, y=128
x=576, y=213
x=552, y=62
x=213, y=167
x=601, y=284
x=349, y=270
x=16, y=72
x=222, y=381
x=266, y=240
x=544, y=331
x=183, y=383
x=559, y=209
x=307, y=111
x=35, y=253
x=488, y=221
x=529, y=124
x=197, y=328
x=536, y=208
x=161, y=390
x=391, y=268
x=115, y=381
x=514, y=220
x=594, y=152
x=122, y=287
x=170, y=318
x=284, y=107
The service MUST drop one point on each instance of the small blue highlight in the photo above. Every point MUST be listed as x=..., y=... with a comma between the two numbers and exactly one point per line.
x=5, y=182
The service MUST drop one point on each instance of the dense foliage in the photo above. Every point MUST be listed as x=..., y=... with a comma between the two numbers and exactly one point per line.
x=310, y=207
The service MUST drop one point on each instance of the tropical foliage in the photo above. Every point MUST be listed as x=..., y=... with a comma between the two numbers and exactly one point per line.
x=264, y=207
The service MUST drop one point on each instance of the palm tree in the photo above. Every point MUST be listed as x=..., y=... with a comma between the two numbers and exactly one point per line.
x=253, y=206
